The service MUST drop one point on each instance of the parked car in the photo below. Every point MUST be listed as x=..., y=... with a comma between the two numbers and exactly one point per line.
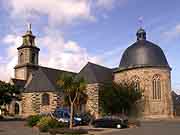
x=86, y=118
x=63, y=115
x=110, y=122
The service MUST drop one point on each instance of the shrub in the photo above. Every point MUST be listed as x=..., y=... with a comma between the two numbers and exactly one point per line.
x=33, y=120
x=47, y=123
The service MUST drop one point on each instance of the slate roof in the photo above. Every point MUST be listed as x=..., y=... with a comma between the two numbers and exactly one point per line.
x=176, y=98
x=94, y=73
x=43, y=80
x=18, y=83
x=143, y=53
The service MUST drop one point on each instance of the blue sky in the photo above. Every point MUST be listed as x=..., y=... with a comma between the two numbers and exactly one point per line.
x=76, y=31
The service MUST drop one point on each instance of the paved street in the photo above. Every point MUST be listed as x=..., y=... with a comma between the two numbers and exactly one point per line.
x=147, y=128
x=151, y=128
x=16, y=128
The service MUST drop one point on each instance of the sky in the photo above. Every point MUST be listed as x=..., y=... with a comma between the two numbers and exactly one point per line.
x=72, y=32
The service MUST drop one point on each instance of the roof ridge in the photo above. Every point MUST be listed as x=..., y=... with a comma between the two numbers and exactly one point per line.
x=99, y=65
x=57, y=69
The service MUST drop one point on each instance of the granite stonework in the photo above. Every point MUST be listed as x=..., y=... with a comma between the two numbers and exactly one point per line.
x=93, y=99
x=149, y=107
x=32, y=103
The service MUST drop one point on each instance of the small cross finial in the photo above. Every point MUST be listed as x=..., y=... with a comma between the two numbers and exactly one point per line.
x=29, y=27
x=140, y=20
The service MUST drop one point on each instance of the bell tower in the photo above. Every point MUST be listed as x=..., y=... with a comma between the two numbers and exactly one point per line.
x=28, y=55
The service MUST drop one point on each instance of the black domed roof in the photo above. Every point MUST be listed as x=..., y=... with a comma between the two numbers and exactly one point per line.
x=143, y=54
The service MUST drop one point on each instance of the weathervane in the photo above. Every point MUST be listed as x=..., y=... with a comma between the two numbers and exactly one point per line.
x=140, y=20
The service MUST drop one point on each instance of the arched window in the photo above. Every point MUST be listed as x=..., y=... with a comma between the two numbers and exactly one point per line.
x=21, y=58
x=45, y=99
x=156, y=83
x=135, y=79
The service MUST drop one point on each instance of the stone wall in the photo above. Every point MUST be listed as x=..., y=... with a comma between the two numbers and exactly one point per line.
x=177, y=110
x=93, y=99
x=150, y=108
x=26, y=54
x=22, y=70
x=20, y=73
x=32, y=103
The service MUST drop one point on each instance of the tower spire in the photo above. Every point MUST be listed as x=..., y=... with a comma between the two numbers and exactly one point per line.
x=29, y=27
x=28, y=37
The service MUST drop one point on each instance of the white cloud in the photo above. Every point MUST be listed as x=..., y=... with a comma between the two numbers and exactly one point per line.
x=10, y=59
x=64, y=55
x=107, y=4
x=173, y=33
x=57, y=11
x=13, y=42
x=56, y=53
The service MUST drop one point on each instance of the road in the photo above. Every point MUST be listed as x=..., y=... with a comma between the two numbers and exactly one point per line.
x=16, y=128
x=151, y=128
x=147, y=128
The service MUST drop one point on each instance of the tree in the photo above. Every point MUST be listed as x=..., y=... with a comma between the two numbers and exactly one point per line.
x=81, y=99
x=73, y=86
x=118, y=98
x=7, y=93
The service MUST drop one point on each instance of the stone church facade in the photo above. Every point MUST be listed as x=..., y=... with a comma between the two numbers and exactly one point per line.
x=143, y=63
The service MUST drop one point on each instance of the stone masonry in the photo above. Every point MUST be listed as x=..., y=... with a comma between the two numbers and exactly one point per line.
x=93, y=99
x=151, y=108
x=31, y=103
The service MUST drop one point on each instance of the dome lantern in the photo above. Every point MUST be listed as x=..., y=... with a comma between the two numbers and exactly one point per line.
x=141, y=34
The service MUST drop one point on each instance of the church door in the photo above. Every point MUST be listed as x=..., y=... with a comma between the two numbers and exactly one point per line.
x=16, y=108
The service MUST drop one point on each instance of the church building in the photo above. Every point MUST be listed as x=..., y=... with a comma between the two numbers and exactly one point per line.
x=142, y=62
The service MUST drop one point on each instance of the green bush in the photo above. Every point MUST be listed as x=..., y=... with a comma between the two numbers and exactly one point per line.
x=47, y=123
x=33, y=120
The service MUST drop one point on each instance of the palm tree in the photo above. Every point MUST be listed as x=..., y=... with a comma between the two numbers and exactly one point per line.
x=81, y=100
x=72, y=87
